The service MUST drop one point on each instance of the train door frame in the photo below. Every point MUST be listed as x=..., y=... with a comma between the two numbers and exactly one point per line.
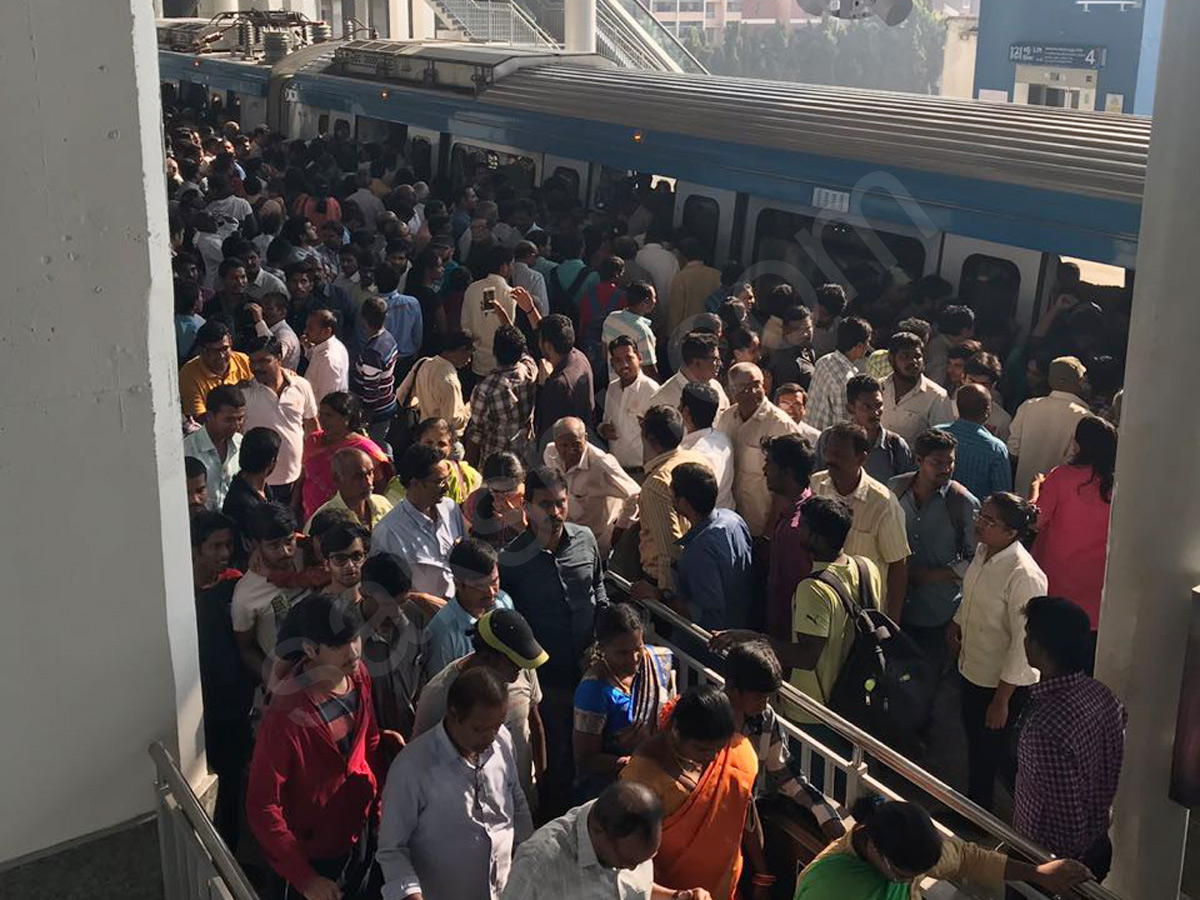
x=434, y=138
x=1030, y=265
x=551, y=164
x=726, y=202
x=537, y=157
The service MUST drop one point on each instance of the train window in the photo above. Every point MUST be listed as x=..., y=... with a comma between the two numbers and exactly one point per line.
x=777, y=239
x=702, y=219
x=570, y=179
x=420, y=153
x=323, y=123
x=991, y=286
x=378, y=131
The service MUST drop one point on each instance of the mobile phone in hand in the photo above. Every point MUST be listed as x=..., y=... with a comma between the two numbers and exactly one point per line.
x=489, y=299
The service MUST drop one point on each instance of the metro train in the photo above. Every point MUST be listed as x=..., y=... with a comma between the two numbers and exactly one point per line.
x=813, y=183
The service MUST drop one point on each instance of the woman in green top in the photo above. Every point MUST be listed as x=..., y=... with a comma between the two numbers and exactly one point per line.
x=894, y=846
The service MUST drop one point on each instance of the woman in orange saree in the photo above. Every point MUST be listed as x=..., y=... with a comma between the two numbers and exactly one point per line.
x=703, y=772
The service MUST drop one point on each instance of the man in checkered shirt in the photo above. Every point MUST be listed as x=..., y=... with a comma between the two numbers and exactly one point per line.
x=752, y=675
x=502, y=404
x=1072, y=736
x=827, y=395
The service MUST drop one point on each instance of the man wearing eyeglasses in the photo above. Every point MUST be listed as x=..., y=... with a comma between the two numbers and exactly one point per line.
x=453, y=806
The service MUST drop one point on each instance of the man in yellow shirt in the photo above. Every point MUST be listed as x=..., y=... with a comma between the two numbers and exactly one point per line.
x=217, y=363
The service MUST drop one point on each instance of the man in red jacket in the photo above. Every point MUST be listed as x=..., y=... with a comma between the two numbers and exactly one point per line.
x=314, y=782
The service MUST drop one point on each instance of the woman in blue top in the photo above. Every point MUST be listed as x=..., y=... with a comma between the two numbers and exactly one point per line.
x=617, y=704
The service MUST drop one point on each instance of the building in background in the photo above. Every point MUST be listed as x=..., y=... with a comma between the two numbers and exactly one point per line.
x=1079, y=54
x=962, y=46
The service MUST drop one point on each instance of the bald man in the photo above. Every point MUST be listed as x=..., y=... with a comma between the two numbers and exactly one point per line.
x=981, y=462
x=748, y=422
x=353, y=473
x=600, y=489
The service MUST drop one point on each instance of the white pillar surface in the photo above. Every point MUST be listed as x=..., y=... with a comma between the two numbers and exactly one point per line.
x=98, y=636
x=1154, y=547
x=209, y=8
x=579, y=26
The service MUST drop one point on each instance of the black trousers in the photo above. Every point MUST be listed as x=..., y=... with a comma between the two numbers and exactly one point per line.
x=555, y=791
x=988, y=751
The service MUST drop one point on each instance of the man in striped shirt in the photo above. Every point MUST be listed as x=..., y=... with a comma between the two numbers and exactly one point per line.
x=374, y=376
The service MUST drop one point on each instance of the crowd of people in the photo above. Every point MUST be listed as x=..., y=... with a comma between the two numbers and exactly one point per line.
x=422, y=423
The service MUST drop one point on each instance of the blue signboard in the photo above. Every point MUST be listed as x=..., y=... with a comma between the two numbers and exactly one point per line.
x=1068, y=56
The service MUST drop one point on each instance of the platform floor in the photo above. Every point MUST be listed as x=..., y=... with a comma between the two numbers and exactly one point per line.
x=122, y=865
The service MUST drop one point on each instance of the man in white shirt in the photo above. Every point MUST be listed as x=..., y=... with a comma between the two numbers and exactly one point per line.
x=281, y=400
x=751, y=420
x=270, y=320
x=658, y=261
x=701, y=355
x=597, y=484
x=479, y=316
x=625, y=402
x=880, y=531
x=368, y=204
x=524, y=275
x=1044, y=427
x=224, y=206
x=912, y=403
x=698, y=406
x=259, y=282
x=328, y=359
x=827, y=397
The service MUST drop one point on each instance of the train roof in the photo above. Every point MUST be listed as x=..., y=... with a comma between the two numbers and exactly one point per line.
x=1095, y=154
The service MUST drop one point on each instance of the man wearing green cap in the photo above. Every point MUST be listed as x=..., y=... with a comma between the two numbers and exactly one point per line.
x=503, y=643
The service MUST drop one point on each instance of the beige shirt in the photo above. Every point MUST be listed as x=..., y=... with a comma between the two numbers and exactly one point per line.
x=749, y=483
x=661, y=525
x=285, y=413
x=879, y=531
x=623, y=409
x=991, y=616
x=689, y=289
x=920, y=409
x=436, y=392
x=672, y=392
x=482, y=326
x=598, y=489
x=1041, y=435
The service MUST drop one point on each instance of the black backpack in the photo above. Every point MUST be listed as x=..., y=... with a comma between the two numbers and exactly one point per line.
x=886, y=686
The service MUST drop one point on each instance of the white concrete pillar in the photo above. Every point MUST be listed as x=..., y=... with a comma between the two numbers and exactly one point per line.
x=579, y=26
x=1154, y=549
x=410, y=20
x=208, y=8
x=98, y=635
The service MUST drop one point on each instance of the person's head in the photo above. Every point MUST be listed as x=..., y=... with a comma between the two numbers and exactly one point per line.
x=744, y=345
x=957, y=323
x=225, y=415
x=864, y=401
x=934, y=452
x=325, y=632
x=1057, y=636
x=906, y=352
x=465, y=199
x=956, y=362
x=425, y=475
x=500, y=262
x=788, y=463
x=831, y=302
x=373, y=312
x=476, y=575
x=747, y=387
x=1105, y=375
x=459, y=349
x=386, y=584
x=504, y=643
x=232, y=273
x=271, y=531
x=266, y=359
x=353, y=474
x=854, y=338
x=475, y=709
x=701, y=724
x=698, y=404
x=275, y=308
x=797, y=326
x=214, y=344
x=331, y=235
x=339, y=414
x=212, y=542
x=793, y=400
x=662, y=431
x=694, y=487
x=625, y=359
x=1067, y=374
x=570, y=440
x=349, y=260
x=546, y=501
x=387, y=279
x=556, y=337
x=901, y=840
x=508, y=345
x=701, y=354
x=824, y=526
x=983, y=369
x=187, y=297
x=1004, y=519
x=846, y=449
x=752, y=676
x=436, y=433
x=259, y=451
x=395, y=255
x=619, y=638
x=625, y=825
x=914, y=325
x=320, y=326
x=299, y=280
x=641, y=298
x=611, y=268
x=974, y=402
x=1096, y=447
x=345, y=548
x=197, y=483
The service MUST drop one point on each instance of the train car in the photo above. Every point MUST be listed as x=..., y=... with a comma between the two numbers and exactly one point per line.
x=810, y=183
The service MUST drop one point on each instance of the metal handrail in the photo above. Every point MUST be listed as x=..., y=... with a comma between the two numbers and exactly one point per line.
x=675, y=49
x=906, y=768
x=168, y=773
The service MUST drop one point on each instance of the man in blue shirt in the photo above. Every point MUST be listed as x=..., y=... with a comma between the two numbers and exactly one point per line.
x=476, y=591
x=714, y=572
x=402, y=320
x=981, y=460
x=939, y=516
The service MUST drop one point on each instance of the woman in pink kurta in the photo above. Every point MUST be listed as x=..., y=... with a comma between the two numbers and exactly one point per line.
x=1074, y=501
